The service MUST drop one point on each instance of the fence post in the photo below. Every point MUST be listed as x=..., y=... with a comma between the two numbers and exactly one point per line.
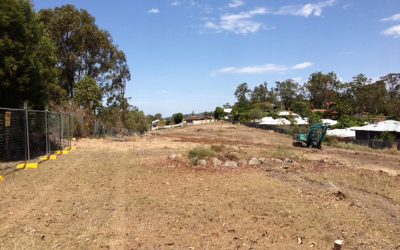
x=28, y=155
x=61, y=130
x=46, y=121
x=69, y=131
x=82, y=132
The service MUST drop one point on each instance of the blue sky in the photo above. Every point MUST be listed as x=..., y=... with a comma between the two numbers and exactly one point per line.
x=189, y=55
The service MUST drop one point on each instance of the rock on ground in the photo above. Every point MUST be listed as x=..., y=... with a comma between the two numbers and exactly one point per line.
x=254, y=162
x=231, y=164
x=202, y=162
x=216, y=162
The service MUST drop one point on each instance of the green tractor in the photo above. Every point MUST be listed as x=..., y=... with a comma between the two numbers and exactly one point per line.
x=314, y=137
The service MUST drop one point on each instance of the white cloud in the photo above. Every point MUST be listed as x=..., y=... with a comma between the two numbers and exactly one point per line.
x=395, y=17
x=175, y=3
x=241, y=23
x=298, y=79
x=266, y=68
x=303, y=65
x=392, y=31
x=236, y=3
x=153, y=11
x=307, y=10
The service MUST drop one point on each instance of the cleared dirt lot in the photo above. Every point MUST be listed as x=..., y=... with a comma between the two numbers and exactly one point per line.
x=127, y=194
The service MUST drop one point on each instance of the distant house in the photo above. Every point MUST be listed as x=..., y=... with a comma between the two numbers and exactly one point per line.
x=342, y=133
x=329, y=122
x=196, y=120
x=372, y=131
x=154, y=124
x=228, y=113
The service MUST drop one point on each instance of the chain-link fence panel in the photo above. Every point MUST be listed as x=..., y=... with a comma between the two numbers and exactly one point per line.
x=37, y=128
x=12, y=138
x=54, y=131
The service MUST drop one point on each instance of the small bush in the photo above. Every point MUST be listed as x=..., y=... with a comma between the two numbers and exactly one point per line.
x=200, y=153
x=217, y=148
x=331, y=141
x=282, y=153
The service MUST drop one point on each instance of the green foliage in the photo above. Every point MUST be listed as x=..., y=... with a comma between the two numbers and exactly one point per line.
x=85, y=50
x=314, y=118
x=199, y=153
x=255, y=113
x=177, y=118
x=301, y=107
x=263, y=106
x=27, y=56
x=88, y=94
x=136, y=121
x=347, y=121
x=219, y=113
x=287, y=92
x=241, y=92
x=240, y=111
x=322, y=88
x=385, y=136
x=260, y=93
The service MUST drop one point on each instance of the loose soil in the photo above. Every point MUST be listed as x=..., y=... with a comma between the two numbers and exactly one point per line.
x=127, y=193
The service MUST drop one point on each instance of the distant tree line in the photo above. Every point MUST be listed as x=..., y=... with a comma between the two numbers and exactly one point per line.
x=351, y=102
x=61, y=58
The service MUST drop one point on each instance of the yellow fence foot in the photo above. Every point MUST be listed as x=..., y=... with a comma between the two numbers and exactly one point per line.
x=65, y=152
x=1, y=178
x=53, y=157
x=21, y=166
x=32, y=165
x=44, y=158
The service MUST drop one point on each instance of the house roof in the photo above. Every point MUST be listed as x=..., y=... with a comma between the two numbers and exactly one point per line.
x=287, y=113
x=282, y=121
x=330, y=122
x=300, y=121
x=228, y=111
x=388, y=125
x=346, y=132
x=268, y=121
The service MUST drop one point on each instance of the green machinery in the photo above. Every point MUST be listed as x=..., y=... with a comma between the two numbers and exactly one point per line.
x=314, y=137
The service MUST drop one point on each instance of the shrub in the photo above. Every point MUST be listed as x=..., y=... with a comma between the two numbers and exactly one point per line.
x=199, y=153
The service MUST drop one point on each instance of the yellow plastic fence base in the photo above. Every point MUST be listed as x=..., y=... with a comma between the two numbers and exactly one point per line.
x=44, y=158
x=32, y=165
x=21, y=166
x=1, y=178
x=53, y=157
x=65, y=152
x=73, y=148
x=58, y=152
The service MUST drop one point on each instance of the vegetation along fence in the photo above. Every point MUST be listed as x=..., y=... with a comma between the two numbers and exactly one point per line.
x=28, y=134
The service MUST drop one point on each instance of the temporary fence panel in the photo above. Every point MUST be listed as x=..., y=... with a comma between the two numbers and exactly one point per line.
x=12, y=135
x=54, y=131
x=37, y=134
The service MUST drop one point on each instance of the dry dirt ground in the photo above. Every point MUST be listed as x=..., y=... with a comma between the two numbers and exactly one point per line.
x=128, y=194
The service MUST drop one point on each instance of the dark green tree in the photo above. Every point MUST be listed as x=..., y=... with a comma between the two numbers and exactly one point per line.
x=241, y=92
x=260, y=93
x=219, y=113
x=322, y=88
x=88, y=94
x=177, y=118
x=83, y=49
x=27, y=57
x=287, y=92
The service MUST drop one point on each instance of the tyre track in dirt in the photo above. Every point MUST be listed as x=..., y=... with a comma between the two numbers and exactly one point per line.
x=31, y=191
